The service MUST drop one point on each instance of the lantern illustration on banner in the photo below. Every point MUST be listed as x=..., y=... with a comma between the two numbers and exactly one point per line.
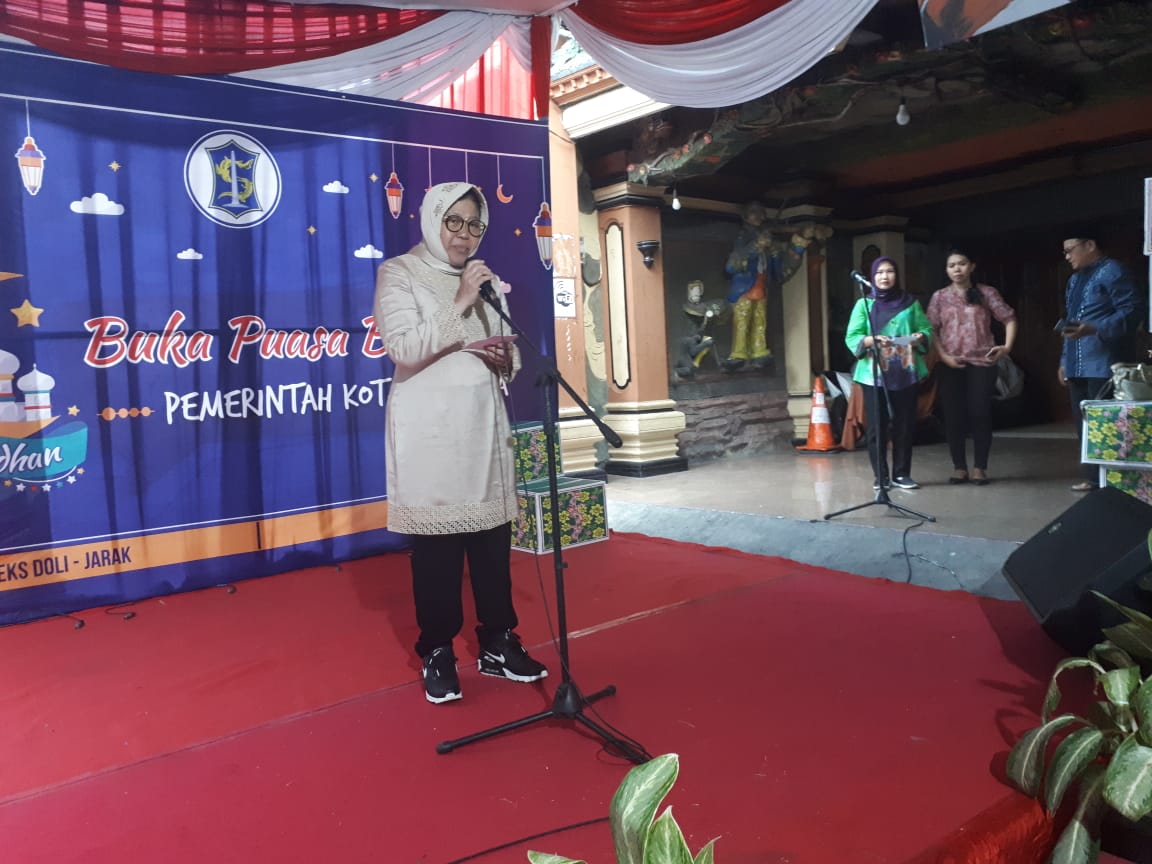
x=395, y=191
x=31, y=162
x=543, y=225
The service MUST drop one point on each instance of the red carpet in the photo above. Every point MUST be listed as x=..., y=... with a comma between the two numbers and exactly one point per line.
x=820, y=717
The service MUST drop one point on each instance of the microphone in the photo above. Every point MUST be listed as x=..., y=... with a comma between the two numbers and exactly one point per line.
x=859, y=277
x=488, y=293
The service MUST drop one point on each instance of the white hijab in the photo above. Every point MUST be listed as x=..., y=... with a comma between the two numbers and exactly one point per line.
x=436, y=202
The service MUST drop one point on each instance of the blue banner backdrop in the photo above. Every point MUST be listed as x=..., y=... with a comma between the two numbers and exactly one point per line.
x=192, y=390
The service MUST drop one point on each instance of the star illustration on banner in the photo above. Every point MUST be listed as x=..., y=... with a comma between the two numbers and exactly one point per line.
x=26, y=313
x=73, y=410
x=311, y=229
x=114, y=165
x=71, y=479
x=374, y=177
x=19, y=487
x=47, y=487
x=7, y=482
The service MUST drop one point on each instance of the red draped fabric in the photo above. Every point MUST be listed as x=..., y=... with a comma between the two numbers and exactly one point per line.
x=496, y=85
x=671, y=22
x=200, y=36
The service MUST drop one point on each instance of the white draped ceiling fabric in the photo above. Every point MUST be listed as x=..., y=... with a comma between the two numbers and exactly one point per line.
x=694, y=53
x=733, y=67
x=725, y=69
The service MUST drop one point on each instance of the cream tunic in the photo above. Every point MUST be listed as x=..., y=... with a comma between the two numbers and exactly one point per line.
x=448, y=446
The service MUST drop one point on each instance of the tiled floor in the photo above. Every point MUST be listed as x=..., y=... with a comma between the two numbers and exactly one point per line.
x=775, y=504
x=1031, y=469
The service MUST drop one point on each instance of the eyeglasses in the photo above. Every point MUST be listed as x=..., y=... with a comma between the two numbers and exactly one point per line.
x=454, y=223
x=1069, y=249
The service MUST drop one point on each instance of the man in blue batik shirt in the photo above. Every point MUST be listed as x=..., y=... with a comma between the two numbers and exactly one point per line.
x=1104, y=313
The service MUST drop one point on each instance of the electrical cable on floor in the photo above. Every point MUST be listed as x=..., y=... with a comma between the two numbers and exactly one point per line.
x=908, y=556
x=79, y=625
x=529, y=839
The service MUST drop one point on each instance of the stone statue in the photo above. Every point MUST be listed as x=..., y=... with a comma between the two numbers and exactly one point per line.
x=695, y=346
x=759, y=261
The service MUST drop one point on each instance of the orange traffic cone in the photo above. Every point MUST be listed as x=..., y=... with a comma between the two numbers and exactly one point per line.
x=819, y=424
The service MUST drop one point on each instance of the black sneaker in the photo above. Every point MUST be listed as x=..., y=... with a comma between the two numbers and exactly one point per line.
x=505, y=657
x=905, y=483
x=876, y=485
x=441, y=683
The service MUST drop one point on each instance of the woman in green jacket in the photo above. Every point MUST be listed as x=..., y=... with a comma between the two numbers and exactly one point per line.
x=903, y=333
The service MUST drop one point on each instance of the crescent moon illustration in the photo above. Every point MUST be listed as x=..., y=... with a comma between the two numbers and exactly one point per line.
x=504, y=199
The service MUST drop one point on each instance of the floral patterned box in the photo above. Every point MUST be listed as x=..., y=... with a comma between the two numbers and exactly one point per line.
x=582, y=515
x=532, y=454
x=1117, y=433
x=1134, y=482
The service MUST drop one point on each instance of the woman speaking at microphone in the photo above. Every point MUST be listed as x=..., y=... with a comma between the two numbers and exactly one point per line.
x=890, y=361
x=448, y=451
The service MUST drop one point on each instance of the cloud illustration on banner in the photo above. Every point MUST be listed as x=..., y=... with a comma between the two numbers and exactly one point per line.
x=189, y=254
x=98, y=205
x=368, y=251
x=336, y=187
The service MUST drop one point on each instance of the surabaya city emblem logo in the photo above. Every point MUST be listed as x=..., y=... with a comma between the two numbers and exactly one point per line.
x=232, y=179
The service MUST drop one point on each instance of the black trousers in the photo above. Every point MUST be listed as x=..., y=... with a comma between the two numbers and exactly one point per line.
x=966, y=399
x=437, y=584
x=897, y=426
x=1079, y=390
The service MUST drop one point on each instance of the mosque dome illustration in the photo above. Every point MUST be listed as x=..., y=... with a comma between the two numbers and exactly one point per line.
x=21, y=419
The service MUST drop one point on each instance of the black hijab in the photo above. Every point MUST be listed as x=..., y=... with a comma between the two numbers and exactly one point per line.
x=887, y=304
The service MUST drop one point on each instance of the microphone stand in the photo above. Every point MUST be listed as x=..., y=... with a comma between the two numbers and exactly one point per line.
x=568, y=703
x=874, y=448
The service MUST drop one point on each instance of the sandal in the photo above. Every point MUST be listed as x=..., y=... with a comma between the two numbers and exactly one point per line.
x=958, y=476
x=1083, y=486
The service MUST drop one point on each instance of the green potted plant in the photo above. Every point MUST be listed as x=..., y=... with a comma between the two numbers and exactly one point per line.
x=638, y=838
x=1105, y=755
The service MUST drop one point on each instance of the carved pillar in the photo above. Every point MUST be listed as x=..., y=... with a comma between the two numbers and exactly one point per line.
x=639, y=409
x=806, y=314
x=872, y=238
x=578, y=434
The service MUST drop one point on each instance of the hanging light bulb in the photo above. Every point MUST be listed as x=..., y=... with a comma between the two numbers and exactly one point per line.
x=675, y=199
x=903, y=118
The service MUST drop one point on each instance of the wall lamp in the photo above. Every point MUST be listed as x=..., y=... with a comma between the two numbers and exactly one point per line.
x=648, y=250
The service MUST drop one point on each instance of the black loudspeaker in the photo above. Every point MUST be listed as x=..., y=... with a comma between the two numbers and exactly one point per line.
x=1100, y=543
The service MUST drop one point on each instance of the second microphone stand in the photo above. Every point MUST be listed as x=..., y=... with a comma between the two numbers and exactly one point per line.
x=568, y=703
x=878, y=452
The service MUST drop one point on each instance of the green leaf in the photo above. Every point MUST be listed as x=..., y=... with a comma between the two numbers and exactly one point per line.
x=1133, y=638
x=1080, y=841
x=1026, y=759
x=1072, y=756
x=549, y=858
x=1106, y=716
x=1076, y=845
x=1052, y=698
x=666, y=844
x=1142, y=709
x=1120, y=684
x=1128, y=780
x=704, y=856
x=1140, y=635
x=1107, y=654
x=635, y=802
